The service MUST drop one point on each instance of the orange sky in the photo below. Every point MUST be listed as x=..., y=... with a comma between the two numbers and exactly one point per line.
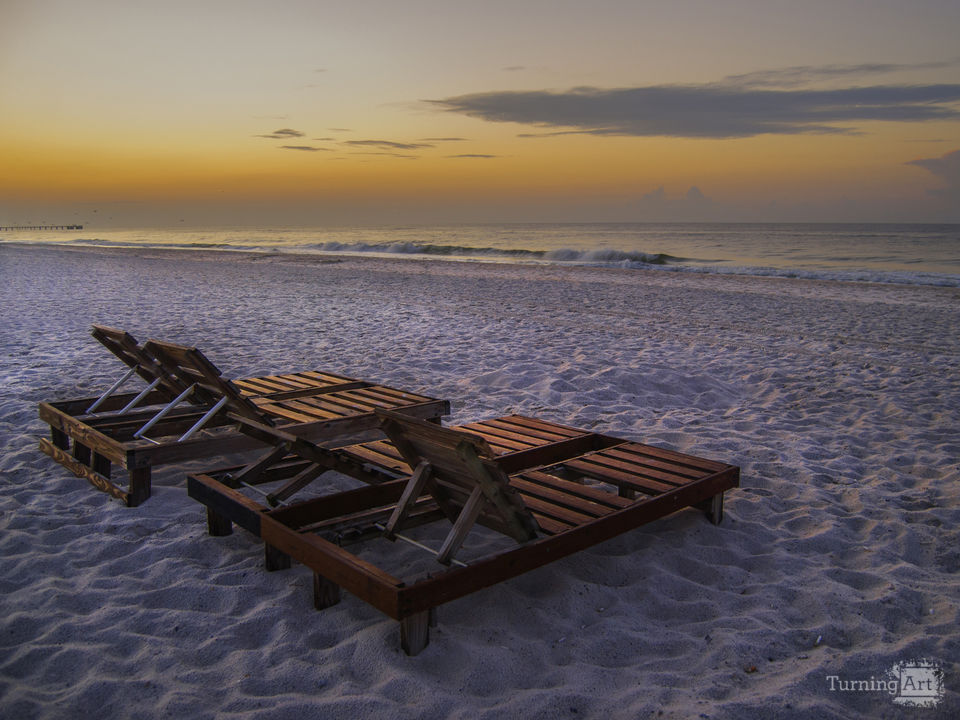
x=135, y=113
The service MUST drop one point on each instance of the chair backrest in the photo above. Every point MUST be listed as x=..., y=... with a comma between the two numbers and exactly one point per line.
x=460, y=462
x=192, y=368
x=131, y=353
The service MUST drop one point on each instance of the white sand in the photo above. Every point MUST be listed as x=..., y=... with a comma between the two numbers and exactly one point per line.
x=841, y=403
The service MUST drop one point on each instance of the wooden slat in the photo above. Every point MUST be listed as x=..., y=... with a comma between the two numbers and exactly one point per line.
x=251, y=387
x=260, y=386
x=307, y=407
x=551, y=453
x=541, y=425
x=499, y=441
x=354, y=398
x=527, y=432
x=576, y=489
x=399, y=394
x=280, y=411
x=338, y=405
x=619, y=458
x=549, y=525
x=327, y=377
x=618, y=477
x=668, y=475
x=557, y=512
x=380, y=399
x=287, y=383
x=559, y=497
x=673, y=456
x=371, y=453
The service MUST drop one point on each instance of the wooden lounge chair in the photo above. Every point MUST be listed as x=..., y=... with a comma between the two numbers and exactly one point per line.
x=189, y=410
x=555, y=490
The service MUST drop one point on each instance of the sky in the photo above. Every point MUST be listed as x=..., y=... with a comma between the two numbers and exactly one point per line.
x=136, y=113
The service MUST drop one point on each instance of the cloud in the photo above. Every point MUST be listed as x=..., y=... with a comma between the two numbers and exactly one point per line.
x=304, y=148
x=710, y=111
x=472, y=155
x=387, y=144
x=657, y=195
x=283, y=134
x=656, y=205
x=805, y=74
x=947, y=168
x=388, y=154
x=515, y=68
x=444, y=139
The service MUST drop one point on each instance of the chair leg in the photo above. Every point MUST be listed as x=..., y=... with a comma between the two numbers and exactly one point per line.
x=59, y=438
x=713, y=507
x=274, y=559
x=415, y=632
x=326, y=593
x=101, y=465
x=139, y=486
x=218, y=525
x=81, y=453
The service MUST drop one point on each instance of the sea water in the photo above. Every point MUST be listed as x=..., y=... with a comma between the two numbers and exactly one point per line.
x=924, y=254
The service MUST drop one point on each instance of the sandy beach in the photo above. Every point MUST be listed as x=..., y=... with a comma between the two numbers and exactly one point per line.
x=839, y=556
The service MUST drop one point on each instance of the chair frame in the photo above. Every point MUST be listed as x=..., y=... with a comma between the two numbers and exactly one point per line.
x=190, y=411
x=396, y=504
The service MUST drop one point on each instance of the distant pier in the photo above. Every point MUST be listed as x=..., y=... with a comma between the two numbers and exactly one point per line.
x=40, y=227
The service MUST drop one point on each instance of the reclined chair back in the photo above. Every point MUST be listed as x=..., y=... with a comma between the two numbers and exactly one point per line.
x=460, y=471
x=195, y=372
x=142, y=363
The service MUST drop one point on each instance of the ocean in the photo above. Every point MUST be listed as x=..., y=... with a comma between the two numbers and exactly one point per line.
x=920, y=254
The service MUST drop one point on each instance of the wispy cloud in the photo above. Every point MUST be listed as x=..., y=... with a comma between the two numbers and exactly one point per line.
x=710, y=111
x=282, y=134
x=473, y=155
x=387, y=144
x=304, y=148
x=806, y=74
x=443, y=139
x=388, y=154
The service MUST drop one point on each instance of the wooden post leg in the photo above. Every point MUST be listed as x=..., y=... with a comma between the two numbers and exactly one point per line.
x=139, y=486
x=325, y=593
x=415, y=632
x=101, y=465
x=713, y=507
x=274, y=559
x=59, y=438
x=81, y=453
x=218, y=525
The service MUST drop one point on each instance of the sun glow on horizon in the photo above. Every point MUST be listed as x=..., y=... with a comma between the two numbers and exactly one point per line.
x=390, y=115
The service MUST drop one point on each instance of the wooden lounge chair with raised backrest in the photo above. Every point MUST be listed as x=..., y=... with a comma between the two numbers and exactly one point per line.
x=554, y=490
x=188, y=410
